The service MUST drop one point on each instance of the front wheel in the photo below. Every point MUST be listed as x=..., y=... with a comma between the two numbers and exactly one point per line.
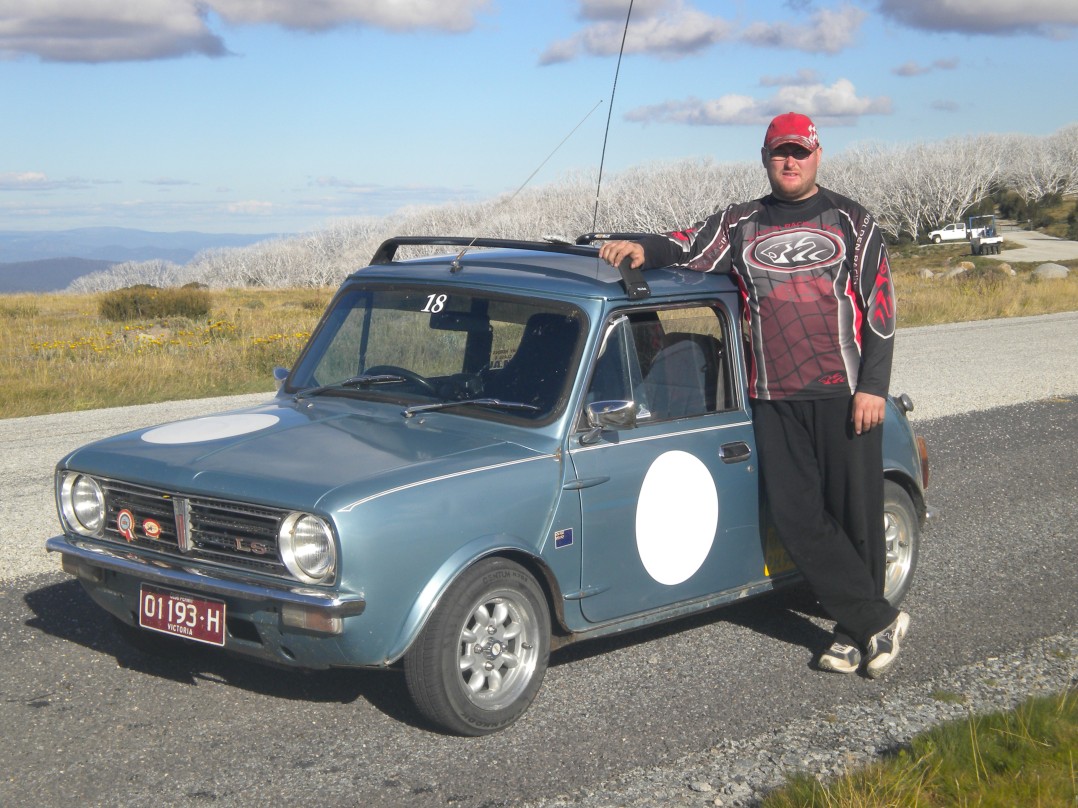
x=478, y=663
x=902, y=534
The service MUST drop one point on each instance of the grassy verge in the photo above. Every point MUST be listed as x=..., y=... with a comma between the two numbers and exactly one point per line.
x=58, y=353
x=985, y=292
x=1022, y=757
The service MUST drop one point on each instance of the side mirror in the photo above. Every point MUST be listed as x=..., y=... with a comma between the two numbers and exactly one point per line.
x=279, y=375
x=608, y=415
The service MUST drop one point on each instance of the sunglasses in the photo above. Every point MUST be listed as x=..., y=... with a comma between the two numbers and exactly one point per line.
x=797, y=152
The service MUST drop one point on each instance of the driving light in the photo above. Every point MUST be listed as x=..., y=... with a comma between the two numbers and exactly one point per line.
x=307, y=548
x=82, y=503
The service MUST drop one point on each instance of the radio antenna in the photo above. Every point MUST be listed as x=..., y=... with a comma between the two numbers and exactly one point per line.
x=455, y=265
x=609, y=114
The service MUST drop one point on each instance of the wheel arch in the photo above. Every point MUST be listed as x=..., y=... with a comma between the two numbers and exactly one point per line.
x=916, y=494
x=431, y=595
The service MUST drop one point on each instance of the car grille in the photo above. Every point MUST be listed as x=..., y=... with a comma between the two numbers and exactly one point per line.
x=218, y=531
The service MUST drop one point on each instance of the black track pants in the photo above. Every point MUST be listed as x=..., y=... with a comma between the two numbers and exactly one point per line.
x=824, y=490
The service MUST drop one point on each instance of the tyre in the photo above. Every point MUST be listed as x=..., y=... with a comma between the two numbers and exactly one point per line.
x=902, y=532
x=479, y=661
x=936, y=239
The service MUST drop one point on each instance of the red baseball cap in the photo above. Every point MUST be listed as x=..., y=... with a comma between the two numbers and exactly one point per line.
x=792, y=127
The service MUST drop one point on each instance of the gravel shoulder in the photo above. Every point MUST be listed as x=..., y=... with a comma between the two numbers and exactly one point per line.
x=739, y=772
x=947, y=370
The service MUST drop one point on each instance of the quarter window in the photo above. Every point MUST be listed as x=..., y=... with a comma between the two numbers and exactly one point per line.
x=673, y=363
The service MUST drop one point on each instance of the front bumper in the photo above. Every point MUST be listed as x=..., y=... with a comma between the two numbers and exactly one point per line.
x=290, y=624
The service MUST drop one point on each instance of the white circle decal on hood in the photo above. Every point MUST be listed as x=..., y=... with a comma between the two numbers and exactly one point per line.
x=214, y=427
x=676, y=517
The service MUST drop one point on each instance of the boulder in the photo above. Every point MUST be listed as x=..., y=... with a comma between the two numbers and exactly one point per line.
x=925, y=273
x=957, y=272
x=1051, y=272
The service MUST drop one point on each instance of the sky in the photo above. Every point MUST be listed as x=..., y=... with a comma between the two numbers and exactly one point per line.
x=286, y=116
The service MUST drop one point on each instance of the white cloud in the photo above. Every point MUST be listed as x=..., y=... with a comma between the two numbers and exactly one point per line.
x=668, y=30
x=943, y=105
x=828, y=31
x=38, y=181
x=23, y=180
x=913, y=68
x=805, y=77
x=834, y=105
x=251, y=207
x=1055, y=18
x=618, y=9
x=105, y=30
x=167, y=182
x=672, y=29
x=141, y=30
x=317, y=15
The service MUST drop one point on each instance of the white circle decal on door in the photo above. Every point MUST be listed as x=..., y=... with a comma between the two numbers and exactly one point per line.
x=214, y=427
x=676, y=517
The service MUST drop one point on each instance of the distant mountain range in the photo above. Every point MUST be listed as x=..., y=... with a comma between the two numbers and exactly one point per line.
x=48, y=260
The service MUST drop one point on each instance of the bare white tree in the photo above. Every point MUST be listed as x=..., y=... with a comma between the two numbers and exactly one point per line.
x=909, y=188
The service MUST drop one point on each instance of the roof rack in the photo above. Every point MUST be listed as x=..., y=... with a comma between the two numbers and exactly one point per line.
x=384, y=254
x=631, y=279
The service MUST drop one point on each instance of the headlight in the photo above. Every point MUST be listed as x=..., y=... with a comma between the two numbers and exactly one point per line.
x=82, y=503
x=307, y=548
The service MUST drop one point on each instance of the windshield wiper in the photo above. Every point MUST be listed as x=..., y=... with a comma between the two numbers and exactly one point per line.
x=496, y=403
x=363, y=380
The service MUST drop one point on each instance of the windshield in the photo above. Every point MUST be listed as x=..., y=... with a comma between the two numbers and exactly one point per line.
x=421, y=346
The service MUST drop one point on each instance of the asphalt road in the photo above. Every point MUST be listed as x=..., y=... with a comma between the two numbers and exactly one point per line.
x=1031, y=245
x=87, y=719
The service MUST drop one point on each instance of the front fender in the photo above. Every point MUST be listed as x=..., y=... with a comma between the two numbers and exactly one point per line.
x=429, y=597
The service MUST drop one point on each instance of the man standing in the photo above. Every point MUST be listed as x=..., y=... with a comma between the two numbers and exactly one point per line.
x=820, y=307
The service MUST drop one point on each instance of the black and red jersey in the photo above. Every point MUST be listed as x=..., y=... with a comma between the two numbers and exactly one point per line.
x=816, y=287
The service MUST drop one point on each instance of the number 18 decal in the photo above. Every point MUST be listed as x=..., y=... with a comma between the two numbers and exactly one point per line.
x=435, y=303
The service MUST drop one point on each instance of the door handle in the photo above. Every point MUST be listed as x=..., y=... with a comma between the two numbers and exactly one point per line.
x=736, y=452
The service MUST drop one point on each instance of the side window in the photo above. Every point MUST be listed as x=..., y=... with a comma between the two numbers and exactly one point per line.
x=617, y=370
x=672, y=362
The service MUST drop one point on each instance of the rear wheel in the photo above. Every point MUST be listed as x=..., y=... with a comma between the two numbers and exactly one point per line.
x=902, y=533
x=478, y=663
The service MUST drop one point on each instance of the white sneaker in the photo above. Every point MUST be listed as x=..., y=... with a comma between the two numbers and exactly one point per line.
x=883, y=647
x=840, y=658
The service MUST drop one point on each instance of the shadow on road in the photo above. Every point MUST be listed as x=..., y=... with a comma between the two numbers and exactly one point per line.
x=782, y=615
x=64, y=611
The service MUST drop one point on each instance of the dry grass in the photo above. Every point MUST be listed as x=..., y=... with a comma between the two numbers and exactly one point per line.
x=986, y=292
x=1022, y=757
x=59, y=354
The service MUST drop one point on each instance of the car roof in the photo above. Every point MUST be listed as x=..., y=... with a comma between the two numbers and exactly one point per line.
x=548, y=268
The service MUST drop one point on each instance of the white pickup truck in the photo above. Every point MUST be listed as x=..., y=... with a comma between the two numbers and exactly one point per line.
x=982, y=234
x=956, y=231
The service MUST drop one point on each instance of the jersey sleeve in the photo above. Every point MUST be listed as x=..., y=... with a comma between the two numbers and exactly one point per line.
x=686, y=247
x=876, y=300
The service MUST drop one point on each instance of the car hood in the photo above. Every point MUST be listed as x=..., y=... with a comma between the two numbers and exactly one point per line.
x=301, y=455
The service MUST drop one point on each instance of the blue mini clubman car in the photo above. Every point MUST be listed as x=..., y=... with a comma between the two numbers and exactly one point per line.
x=477, y=457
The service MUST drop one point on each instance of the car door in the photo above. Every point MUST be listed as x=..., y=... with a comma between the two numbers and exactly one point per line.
x=670, y=504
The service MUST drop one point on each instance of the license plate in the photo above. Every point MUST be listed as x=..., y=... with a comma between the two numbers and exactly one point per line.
x=182, y=615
